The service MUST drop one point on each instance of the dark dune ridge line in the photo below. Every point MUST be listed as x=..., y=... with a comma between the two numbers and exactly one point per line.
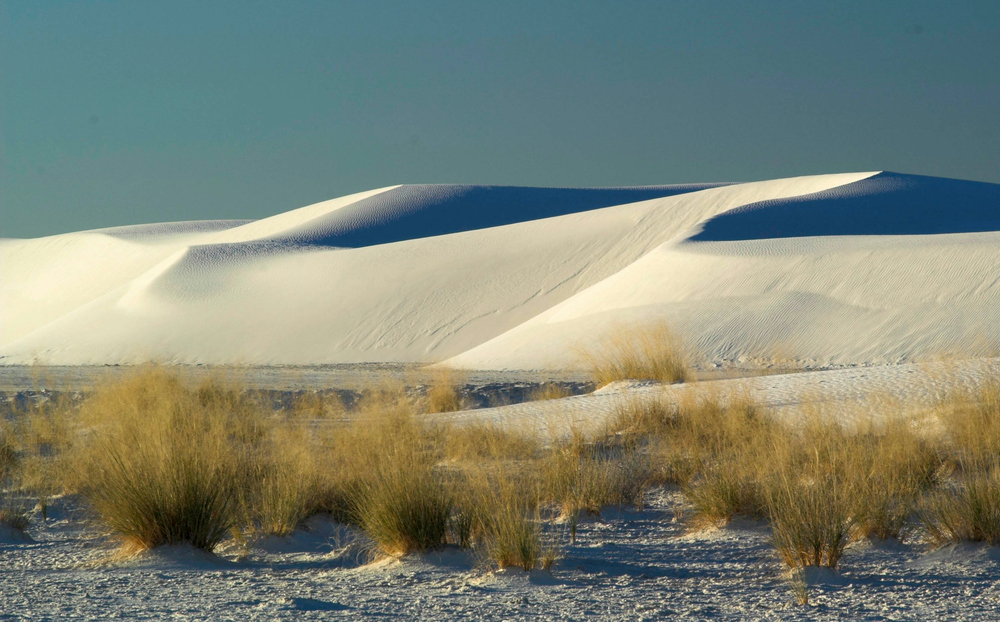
x=884, y=204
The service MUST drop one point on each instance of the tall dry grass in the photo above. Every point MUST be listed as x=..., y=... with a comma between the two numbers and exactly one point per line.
x=968, y=509
x=642, y=352
x=502, y=509
x=968, y=506
x=480, y=441
x=811, y=502
x=163, y=463
x=841, y=477
x=443, y=392
x=404, y=507
x=821, y=481
x=387, y=477
x=707, y=443
x=896, y=465
x=35, y=444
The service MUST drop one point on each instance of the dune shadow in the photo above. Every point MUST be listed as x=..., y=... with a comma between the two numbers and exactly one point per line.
x=420, y=211
x=884, y=204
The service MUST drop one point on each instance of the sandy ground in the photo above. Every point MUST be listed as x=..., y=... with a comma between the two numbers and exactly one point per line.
x=625, y=565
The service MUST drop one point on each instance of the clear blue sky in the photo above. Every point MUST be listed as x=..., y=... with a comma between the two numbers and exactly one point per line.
x=119, y=112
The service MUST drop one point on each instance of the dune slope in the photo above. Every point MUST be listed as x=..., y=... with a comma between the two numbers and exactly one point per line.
x=848, y=268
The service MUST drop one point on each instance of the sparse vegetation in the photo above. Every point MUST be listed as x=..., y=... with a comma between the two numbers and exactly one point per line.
x=404, y=507
x=966, y=510
x=489, y=440
x=968, y=506
x=14, y=514
x=509, y=510
x=442, y=394
x=812, y=512
x=644, y=352
x=161, y=462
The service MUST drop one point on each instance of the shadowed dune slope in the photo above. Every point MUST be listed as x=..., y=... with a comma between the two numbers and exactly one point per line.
x=420, y=211
x=885, y=204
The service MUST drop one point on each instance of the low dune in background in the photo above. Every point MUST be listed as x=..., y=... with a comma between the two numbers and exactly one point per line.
x=830, y=269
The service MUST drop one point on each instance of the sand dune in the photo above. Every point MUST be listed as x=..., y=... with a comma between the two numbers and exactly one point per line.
x=853, y=268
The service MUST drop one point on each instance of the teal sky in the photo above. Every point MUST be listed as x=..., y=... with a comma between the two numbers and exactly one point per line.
x=126, y=112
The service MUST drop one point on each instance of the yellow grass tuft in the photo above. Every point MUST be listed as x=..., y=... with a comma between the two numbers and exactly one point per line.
x=442, y=394
x=646, y=352
x=162, y=464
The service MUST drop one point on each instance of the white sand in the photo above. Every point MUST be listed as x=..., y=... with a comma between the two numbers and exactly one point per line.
x=424, y=274
x=623, y=566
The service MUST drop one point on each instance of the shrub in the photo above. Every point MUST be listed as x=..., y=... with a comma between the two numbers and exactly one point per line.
x=650, y=352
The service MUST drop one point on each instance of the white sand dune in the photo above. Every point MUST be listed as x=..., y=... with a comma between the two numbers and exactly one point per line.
x=830, y=269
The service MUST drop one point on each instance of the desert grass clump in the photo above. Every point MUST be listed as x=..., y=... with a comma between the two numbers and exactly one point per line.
x=725, y=488
x=582, y=476
x=386, y=458
x=894, y=466
x=14, y=516
x=162, y=462
x=514, y=538
x=967, y=507
x=507, y=510
x=813, y=495
x=811, y=519
x=970, y=422
x=967, y=510
x=711, y=446
x=315, y=405
x=405, y=508
x=646, y=352
x=639, y=417
x=283, y=481
x=35, y=445
x=442, y=394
